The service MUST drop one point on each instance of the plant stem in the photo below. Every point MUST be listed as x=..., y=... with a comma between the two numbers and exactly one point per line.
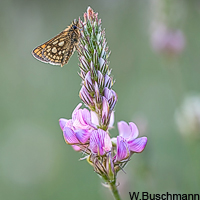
x=114, y=191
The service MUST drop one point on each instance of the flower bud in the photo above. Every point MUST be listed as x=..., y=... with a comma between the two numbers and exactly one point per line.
x=84, y=64
x=105, y=112
x=111, y=96
x=86, y=97
x=97, y=93
x=100, y=80
x=108, y=81
x=88, y=82
x=90, y=13
x=101, y=63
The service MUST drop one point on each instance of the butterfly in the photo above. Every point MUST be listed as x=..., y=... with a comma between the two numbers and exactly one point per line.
x=59, y=49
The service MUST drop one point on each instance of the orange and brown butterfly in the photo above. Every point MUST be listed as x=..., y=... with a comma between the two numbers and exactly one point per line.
x=58, y=50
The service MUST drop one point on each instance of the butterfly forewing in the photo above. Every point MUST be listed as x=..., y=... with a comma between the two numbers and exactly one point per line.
x=59, y=49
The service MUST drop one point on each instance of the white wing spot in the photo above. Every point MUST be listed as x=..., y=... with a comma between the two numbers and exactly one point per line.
x=54, y=50
x=61, y=43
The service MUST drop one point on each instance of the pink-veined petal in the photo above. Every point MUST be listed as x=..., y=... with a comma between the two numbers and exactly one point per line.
x=70, y=136
x=134, y=130
x=101, y=62
x=107, y=93
x=65, y=122
x=75, y=111
x=97, y=93
x=138, y=145
x=105, y=110
x=86, y=115
x=94, y=142
x=123, y=151
x=100, y=142
x=94, y=118
x=88, y=81
x=112, y=101
x=107, y=81
x=112, y=119
x=82, y=135
x=107, y=142
x=100, y=79
x=62, y=123
x=124, y=129
x=83, y=119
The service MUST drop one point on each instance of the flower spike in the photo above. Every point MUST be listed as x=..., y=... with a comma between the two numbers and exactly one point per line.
x=88, y=128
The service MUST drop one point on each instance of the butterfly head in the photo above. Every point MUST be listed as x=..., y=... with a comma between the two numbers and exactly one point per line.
x=75, y=25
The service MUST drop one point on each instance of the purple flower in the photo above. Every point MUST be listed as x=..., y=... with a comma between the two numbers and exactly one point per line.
x=111, y=96
x=168, y=41
x=78, y=129
x=123, y=150
x=88, y=129
x=100, y=142
x=127, y=141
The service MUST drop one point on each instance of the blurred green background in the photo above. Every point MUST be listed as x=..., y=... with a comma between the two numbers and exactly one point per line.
x=35, y=162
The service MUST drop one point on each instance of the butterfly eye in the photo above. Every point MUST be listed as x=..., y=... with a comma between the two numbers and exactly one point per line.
x=74, y=27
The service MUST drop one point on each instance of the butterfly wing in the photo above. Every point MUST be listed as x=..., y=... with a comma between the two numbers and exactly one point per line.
x=59, y=49
x=54, y=50
x=37, y=53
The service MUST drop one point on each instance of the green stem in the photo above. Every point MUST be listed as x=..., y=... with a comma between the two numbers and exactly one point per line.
x=114, y=190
